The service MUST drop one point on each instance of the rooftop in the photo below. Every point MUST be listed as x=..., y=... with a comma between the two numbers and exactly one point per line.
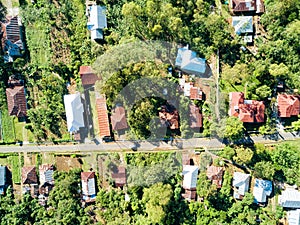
x=248, y=111
x=190, y=174
x=87, y=76
x=262, y=189
x=74, y=112
x=241, y=184
x=16, y=101
x=288, y=105
x=102, y=116
x=118, y=118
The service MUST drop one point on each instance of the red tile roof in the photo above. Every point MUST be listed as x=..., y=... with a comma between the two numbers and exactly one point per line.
x=29, y=175
x=169, y=116
x=288, y=105
x=119, y=177
x=85, y=176
x=248, y=111
x=118, y=118
x=87, y=75
x=102, y=116
x=195, y=93
x=215, y=174
x=195, y=117
x=16, y=101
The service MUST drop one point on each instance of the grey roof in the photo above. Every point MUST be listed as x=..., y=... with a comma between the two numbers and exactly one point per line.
x=97, y=21
x=190, y=174
x=74, y=112
x=241, y=182
x=294, y=217
x=188, y=61
x=2, y=175
x=289, y=198
x=242, y=24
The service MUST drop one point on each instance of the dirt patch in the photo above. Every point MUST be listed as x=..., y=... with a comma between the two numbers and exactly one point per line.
x=66, y=163
x=29, y=159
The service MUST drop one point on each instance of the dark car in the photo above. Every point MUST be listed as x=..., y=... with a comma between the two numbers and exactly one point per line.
x=108, y=139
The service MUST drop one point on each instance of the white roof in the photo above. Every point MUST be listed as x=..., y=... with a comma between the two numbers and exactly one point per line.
x=241, y=182
x=187, y=89
x=97, y=17
x=74, y=112
x=190, y=174
x=88, y=188
x=262, y=189
x=294, y=217
x=188, y=61
x=290, y=198
x=242, y=24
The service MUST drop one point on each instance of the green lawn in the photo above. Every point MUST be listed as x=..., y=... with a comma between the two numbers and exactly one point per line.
x=94, y=112
x=8, y=129
x=15, y=164
x=39, y=44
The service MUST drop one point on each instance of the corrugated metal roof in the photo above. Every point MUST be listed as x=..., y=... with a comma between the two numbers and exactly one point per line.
x=102, y=116
x=242, y=24
x=2, y=175
x=289, y=199
x=190, y=174
x=241, y=182
x=294, y=217
x=74, y=112
x=188, y=62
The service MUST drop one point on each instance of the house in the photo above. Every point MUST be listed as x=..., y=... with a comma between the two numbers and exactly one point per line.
x=2, y=179
x=244, y=6
x=88, y=186
x=195, y=117
x=289, y=198
x=288, y=105
x=46, y=182
x=293, y=217
x=103, y=121
x=88, y=78
x=189, y=90
x=262, y=189
x=169, y=117
x=190, y=175
x=30, y=181
x=243, y=25
x=118, y=119
x=16, y=101
x=189, y=63
x=240, y=184
x=74, y=112
x=196, y=93
x=12, y=36
x=119, y=177
x=96, y=21
x=248, y=111
x=215, y=174
x=46, y=179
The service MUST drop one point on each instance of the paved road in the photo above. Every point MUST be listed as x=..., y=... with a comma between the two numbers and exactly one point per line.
x=178, y=144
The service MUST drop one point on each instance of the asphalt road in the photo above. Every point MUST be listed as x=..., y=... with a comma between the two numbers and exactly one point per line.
x=177, y=144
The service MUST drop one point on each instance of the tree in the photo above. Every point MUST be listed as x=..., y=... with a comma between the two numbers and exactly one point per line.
x=263, y=92
x=264, y=170
x=234, y=129
x=156, y=199
x=243, y=155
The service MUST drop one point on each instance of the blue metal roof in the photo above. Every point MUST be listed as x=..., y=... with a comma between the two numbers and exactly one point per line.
x=2, y=175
